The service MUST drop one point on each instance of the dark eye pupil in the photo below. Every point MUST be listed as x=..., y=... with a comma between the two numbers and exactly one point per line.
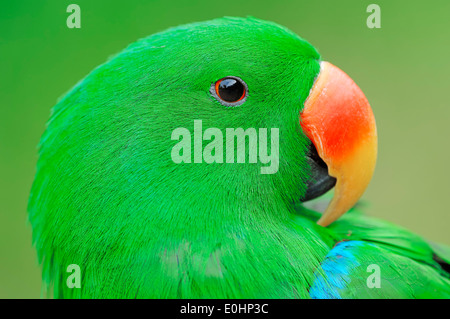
x=231, y=90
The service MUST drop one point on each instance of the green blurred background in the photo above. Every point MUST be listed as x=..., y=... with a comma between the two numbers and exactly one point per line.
x=403, y=69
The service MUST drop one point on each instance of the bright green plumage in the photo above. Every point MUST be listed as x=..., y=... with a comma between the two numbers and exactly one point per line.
x=108, y=196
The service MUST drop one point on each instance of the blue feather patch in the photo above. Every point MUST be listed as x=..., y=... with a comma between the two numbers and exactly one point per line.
x=336, y=268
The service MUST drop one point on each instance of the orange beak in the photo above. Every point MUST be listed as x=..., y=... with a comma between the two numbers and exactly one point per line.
x=339, y=121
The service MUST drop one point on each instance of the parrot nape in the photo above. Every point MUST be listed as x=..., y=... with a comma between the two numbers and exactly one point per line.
x=108, y=196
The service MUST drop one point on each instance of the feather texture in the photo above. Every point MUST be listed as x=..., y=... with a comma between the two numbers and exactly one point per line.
x=108, y=197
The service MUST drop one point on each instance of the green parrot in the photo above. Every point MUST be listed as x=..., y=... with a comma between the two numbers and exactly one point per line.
x=144, y=183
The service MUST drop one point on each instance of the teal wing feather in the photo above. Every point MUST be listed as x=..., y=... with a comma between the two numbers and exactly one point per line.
x=358, y=269
x=408, y=266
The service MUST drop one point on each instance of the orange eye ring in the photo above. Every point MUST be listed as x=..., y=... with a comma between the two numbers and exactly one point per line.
x=230, y=91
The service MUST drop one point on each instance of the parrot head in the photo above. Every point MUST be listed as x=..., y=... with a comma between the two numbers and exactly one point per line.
x=107, y=185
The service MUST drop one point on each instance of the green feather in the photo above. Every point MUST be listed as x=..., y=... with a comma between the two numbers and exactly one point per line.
x=108, y=197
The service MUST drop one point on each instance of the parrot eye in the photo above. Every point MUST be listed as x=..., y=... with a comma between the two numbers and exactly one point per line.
x=229, y=91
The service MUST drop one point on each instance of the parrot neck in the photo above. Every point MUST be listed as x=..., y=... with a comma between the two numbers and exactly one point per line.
x=220, y=209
